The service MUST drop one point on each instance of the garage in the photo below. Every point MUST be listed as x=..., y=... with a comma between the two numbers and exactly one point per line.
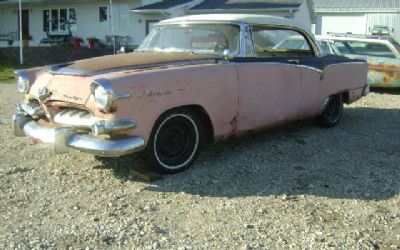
x=355, y=24
x=357, y=16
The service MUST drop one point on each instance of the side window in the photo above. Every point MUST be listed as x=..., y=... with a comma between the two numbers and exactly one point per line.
x=279, y=42
x=249, y=50
x=364, y=48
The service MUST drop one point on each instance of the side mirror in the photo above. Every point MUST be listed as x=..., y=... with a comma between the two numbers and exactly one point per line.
x=121, y=50
x=228, y=54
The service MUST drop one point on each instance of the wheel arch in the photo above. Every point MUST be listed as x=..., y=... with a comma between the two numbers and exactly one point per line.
x=201, y=114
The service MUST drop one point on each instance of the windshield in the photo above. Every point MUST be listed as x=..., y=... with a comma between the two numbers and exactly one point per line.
x=209, y=39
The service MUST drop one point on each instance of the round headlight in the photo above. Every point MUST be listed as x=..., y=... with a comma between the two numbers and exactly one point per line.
x=22, y=84
x=102, y=97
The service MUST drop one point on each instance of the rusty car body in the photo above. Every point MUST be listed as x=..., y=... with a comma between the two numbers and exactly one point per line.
x=381, y=52
x=194, y=79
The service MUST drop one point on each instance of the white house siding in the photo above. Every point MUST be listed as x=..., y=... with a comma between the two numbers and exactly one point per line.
x=342, y=23
x=87, y=21
x=9, y=21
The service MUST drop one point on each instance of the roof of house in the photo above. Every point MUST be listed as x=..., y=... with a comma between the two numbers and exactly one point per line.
x=163, y=5
x=247, y=18
x=357, y=5
x=249, y=4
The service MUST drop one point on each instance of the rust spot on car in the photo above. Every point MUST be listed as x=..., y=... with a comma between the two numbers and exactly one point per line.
x=387, y=73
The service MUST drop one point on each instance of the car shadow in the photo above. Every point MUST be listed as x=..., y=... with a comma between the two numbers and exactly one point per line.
x=389, y=91
x=358, y=159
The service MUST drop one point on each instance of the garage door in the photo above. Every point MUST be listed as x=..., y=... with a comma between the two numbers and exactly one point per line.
x=355, y=24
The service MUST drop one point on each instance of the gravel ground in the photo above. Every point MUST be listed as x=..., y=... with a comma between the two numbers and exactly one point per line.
x=297, y=186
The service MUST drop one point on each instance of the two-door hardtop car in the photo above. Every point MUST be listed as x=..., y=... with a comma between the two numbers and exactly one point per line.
x=194, y=79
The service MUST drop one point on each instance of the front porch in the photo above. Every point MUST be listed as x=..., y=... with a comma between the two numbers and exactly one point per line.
x=42, y=19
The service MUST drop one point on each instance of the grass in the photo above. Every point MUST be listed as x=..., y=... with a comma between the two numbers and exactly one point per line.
x=7, y=71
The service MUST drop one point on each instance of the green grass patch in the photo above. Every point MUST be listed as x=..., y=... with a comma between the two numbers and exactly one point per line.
x=7, y=71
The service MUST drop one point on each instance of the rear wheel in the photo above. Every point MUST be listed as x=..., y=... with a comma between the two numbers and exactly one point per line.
x=332, y=113
x=174, y=142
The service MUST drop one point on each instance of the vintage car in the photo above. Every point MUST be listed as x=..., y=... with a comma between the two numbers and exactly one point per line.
x=381, y=52
x=193, y=80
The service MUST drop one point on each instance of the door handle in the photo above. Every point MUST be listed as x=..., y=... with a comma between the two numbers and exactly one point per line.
x=293, y=61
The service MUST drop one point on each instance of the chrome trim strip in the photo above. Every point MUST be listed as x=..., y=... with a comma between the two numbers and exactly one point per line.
x=62, y=69
x=300, y=65
x=311, y=68
x=119, y=96
x=64, y=138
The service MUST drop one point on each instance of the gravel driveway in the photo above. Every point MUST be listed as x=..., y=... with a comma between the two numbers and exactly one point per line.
x=297, y=186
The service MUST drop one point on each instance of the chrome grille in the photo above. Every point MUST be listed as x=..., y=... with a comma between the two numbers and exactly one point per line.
x=75, y=117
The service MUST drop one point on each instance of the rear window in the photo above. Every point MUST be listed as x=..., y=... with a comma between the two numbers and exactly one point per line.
x=364, y=48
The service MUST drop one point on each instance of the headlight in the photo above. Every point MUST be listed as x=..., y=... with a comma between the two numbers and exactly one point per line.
x=104, y=95
x=22, y=81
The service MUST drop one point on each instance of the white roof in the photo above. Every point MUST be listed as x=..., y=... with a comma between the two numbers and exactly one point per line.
x=247, y=18
x=349, y=38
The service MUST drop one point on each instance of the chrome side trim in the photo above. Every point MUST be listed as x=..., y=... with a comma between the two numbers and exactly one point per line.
x=345, y=63
x=300, y=65
x=311, y=68
x=65, y=138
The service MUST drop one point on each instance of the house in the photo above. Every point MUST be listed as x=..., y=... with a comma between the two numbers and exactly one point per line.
x=131, y=18
x=301, y=10
x=357, y=16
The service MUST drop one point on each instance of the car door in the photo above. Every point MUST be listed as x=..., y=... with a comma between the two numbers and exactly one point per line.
x=270, y=81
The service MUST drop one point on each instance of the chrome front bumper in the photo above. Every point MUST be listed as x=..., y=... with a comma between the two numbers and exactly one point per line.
x=64, y=138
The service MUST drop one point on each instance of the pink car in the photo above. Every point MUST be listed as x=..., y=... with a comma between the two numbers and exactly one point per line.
x=193, y=80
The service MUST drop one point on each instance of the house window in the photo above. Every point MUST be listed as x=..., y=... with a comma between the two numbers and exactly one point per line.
x=56, y=20
x=103, y=14
x=120, y=13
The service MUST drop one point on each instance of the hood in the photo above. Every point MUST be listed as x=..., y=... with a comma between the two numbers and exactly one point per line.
x=104, y=64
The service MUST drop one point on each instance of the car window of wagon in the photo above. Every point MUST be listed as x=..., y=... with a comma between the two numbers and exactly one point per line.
x=279, y=42
x=364, y=48
x=211, y=39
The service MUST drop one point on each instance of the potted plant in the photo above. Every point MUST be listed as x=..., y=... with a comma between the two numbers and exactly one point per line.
x=77, y=42
x=92, y=41
x=26, y=39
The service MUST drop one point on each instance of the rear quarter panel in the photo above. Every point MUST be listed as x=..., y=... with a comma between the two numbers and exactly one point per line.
x=347, y=77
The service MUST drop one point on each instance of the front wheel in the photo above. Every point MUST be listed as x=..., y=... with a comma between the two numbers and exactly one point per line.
x=332, y=113
x=174, y=142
